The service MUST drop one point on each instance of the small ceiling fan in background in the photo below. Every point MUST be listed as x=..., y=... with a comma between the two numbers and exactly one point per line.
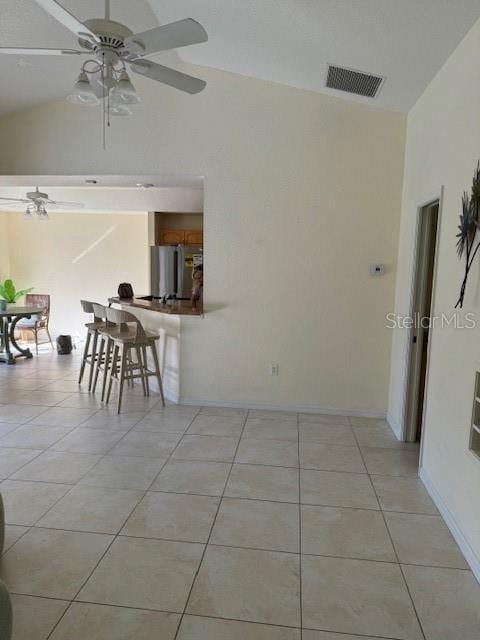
x=37, y=202
x=110, y=47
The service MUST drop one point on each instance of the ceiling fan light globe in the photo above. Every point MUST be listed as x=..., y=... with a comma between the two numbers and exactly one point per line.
x=28, y=214
x=124, y=98
x=42, y=213
x=120, y=110
x=83, y=93
x=83, y=100
x=125, y=90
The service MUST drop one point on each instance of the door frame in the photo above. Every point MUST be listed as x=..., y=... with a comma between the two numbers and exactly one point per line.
x=420, y=207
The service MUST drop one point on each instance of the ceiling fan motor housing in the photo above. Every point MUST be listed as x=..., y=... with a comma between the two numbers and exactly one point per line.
x=111, y=36
x=37, y=195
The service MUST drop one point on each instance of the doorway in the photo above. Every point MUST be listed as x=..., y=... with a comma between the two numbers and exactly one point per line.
x=424, y=268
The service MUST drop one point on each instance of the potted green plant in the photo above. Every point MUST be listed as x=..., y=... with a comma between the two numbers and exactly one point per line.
x=9, y=294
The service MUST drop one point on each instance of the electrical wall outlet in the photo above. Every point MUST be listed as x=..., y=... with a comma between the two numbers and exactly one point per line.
x=377, y=270
x=274, y=369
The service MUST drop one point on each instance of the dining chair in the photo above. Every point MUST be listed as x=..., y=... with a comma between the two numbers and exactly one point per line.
x=38, y=322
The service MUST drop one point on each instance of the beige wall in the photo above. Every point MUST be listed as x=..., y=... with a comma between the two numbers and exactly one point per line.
x=302, y=194
x=78, y=256
x=443, y=147
x=4, y=248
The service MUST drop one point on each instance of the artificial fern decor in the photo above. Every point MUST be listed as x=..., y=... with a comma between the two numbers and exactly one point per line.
x=467, y=231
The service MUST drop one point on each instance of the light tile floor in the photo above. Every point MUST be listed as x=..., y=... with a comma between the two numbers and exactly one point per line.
x=213, y=523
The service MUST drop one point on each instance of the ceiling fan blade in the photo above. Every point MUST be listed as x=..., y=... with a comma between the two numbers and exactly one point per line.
x=168, y=76
x=168, y=36
x=58, y=203
x=28, y=51
x=15, y=200
x=68, y=20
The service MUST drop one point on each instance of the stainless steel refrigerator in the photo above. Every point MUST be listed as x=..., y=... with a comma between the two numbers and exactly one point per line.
x=171, y=270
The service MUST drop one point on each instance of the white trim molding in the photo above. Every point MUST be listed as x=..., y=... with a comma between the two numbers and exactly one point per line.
x=395, y=426
x=470, y=556
x=297, y=408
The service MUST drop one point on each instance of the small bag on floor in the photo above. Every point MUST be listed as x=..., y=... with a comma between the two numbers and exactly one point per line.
x=64, y=345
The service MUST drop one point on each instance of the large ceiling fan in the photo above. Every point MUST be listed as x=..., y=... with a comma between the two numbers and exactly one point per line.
x=112, y=46
x=37, y=203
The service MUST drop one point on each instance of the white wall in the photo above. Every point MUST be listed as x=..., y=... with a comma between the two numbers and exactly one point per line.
x=302, y=193
x=443, y=147
x=4, y=249
x=78, y=256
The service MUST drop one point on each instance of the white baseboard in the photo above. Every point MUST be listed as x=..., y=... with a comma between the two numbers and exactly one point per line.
x=470, y=556
x=395, y=426
x=298, y=408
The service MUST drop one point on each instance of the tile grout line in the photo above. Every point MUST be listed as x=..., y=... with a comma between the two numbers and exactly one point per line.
x=393, y=547
x=220, y=499
x=300, y=528
x=28, y=528
x=49, y=449
x=75, y=484
x=106, y=454
x=114, y=538
x=196, y=615
x=229, y=546
x=206, y=495
x=255, y=464
x=211, y=527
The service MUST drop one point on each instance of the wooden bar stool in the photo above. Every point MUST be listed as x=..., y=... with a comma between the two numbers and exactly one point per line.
x=90, y=357
x=105, y=347
x=129, y=357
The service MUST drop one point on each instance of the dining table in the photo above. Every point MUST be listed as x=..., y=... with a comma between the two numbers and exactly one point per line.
x=9, y=347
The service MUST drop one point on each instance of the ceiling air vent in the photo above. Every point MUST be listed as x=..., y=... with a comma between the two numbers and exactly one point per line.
x=351, y=81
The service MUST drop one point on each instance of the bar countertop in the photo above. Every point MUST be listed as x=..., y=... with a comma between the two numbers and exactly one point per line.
x=172, y=307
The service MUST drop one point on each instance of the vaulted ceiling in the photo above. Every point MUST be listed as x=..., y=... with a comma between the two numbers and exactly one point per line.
x=285, y=41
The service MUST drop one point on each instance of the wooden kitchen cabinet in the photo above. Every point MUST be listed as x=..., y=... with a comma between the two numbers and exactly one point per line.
x=194, y=236
x=180, y=236
x=171, y=236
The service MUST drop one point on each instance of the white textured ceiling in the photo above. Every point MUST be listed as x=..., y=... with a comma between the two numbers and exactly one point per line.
x=111, y=193
x=103, y=181
x=285, y=41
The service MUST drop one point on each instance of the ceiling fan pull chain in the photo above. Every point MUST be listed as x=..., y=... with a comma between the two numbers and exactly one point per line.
x=104, y=105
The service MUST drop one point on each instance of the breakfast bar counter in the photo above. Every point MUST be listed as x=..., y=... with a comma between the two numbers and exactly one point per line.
x=170, y=321
x=172, y=307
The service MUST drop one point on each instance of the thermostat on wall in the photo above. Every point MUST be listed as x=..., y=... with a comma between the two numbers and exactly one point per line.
x=377, y=270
